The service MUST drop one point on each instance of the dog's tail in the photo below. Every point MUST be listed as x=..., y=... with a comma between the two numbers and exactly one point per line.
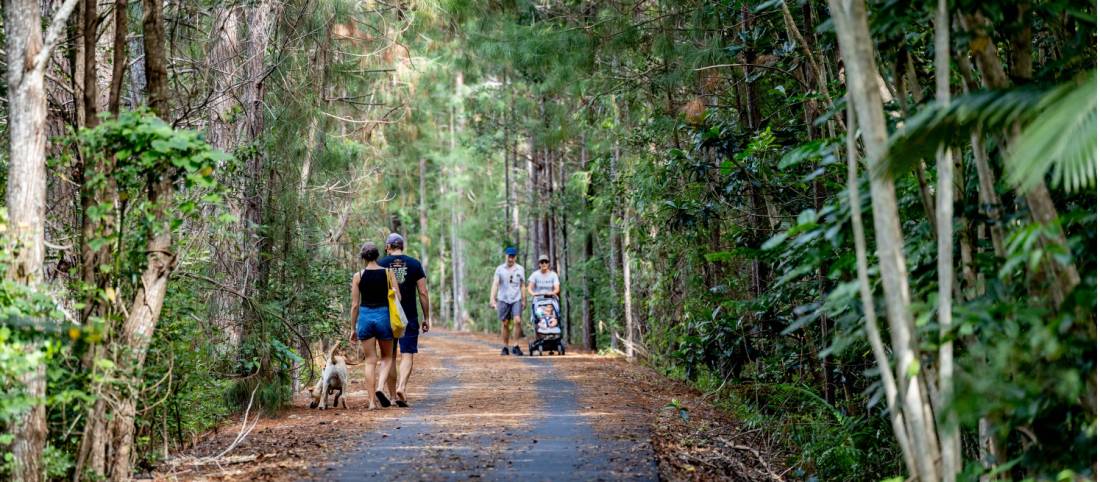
x=328, y=358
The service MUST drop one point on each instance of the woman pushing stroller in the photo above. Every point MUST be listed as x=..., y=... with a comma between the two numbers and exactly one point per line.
x=544, y=287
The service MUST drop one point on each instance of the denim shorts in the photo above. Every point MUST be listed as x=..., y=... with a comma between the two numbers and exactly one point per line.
x=374, y=323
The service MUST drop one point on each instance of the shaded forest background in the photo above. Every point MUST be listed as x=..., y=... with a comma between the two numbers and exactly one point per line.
x=686, y=164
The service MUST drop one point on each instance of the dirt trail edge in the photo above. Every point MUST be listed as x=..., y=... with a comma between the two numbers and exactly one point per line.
x=479, y=415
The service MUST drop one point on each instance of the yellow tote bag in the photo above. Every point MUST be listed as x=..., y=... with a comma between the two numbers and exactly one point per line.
x=398, y=321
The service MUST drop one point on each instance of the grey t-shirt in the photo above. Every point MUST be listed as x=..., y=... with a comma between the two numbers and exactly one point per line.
x=509, y=283
x=544, y=283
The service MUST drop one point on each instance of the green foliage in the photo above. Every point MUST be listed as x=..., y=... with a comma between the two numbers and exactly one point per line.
x=27, y=315
x=1060, y=135
x=1061, y=141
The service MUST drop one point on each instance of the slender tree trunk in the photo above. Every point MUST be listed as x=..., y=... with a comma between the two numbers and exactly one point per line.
x=90, y=21
x=587, y=320
x=118, y=64
x=423, y=212
x=950, y=445
x=889, y=384
x=531, y=250
x=628, y=297
x=508, y=228
x=614, y=240
x=563, y=225
x=850, y=17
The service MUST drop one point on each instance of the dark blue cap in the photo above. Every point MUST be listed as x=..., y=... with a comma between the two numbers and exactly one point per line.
x=511, y=251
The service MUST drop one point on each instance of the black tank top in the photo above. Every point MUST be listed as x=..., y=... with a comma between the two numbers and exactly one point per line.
x=373, y=288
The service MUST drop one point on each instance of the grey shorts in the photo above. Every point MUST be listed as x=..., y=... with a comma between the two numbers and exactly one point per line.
x=507, y=311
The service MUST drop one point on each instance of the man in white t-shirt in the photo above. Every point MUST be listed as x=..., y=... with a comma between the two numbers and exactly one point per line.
x=544, y=282
x=508, y=298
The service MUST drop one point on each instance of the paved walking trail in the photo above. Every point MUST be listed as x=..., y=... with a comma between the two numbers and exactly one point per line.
x=477, y=415
x=527, y=425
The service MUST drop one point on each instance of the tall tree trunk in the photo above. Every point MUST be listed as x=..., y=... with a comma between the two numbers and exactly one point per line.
x=145, y=310
x=508, y=228
x=950, y=445
x=118, y=61
x=531, y=250
x=850, y=17
x=422, y=208
x=628, y=295
x=94, y=446
x=90, y=20
x=225, y=309
x=27, y=53
x=588, y=322
x=458, y=248
x=889, y=384
x=258, y=245
x=515, y=228
x=614, y=241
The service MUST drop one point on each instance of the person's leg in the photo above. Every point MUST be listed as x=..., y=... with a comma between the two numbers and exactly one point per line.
x=409, y=347
x=503, y=310
x=391, y=378
x=385, y=346
x=517, y=324
x=406, y=370
x=369, y=367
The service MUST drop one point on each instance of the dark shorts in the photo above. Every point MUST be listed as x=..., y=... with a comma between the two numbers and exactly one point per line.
x=508, y=311
x=408, y=342
x=374, y=323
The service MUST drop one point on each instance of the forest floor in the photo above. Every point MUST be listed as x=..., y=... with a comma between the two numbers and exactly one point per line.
x=478, y=415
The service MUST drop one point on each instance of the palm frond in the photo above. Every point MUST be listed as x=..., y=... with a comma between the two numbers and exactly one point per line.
x=935, y=126
x=1062, y=138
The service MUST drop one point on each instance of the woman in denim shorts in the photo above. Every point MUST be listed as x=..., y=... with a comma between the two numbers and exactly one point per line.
x=370, y=319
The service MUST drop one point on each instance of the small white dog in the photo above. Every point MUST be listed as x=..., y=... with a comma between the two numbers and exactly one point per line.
x=334, y=379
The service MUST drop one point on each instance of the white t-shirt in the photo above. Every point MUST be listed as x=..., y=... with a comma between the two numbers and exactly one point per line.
x=544, y=282
x=509, y=283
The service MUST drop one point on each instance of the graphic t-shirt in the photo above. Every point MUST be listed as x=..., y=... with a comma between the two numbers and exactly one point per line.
x=509, y=283
x=408, y=272
x=544, y=282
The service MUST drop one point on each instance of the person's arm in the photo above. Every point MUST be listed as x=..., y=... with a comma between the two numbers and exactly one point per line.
x=522, y=297
x=557, y=286
x=531, y=287
x=354, y=305
x=425, y=304
x=493, y=291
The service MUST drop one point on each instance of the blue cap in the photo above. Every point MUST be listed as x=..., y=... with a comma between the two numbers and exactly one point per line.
x=395, y=239
x=511, y=251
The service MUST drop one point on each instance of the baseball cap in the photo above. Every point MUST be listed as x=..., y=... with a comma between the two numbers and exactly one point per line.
x=510, y=251
x=395, y=239
x=543, y=257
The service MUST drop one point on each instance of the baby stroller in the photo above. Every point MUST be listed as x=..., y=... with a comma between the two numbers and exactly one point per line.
x=546, y=338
